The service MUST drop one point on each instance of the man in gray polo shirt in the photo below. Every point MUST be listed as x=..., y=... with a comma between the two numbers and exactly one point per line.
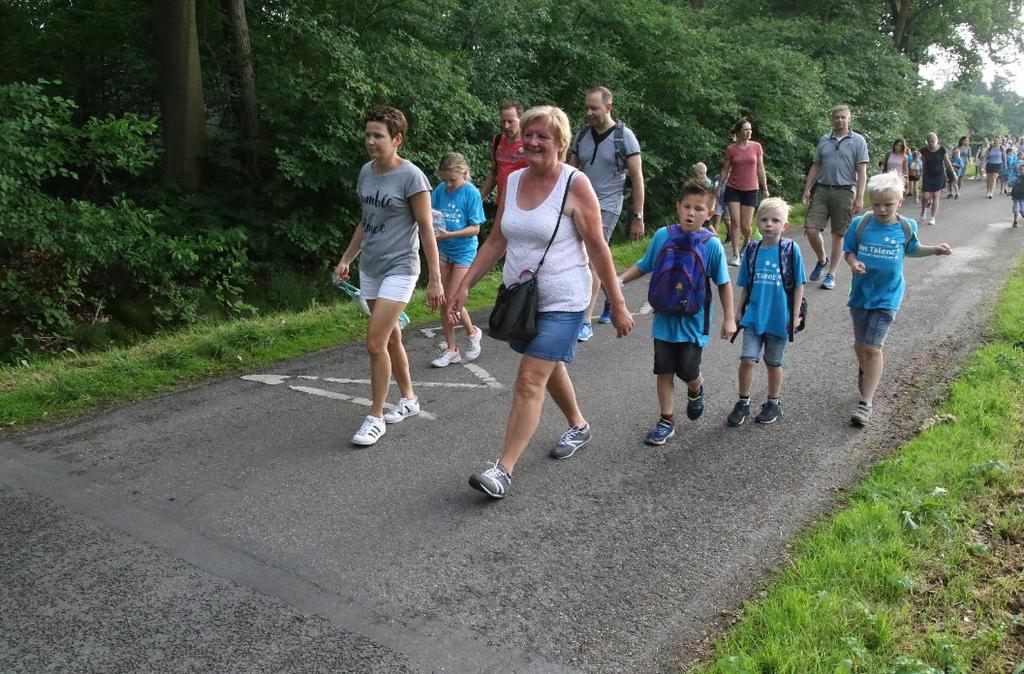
x=607, y=151
x=834, y=191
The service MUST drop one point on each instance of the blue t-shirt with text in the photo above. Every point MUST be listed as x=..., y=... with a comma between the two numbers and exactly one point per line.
x=461, y=208
x=882, y=249
x=682, y=328
x=767, y=309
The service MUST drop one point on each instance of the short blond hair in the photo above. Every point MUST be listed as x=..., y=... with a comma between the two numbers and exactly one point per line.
x=556, y=119
x=453, y=161
x=889, y=181
x=775, y=205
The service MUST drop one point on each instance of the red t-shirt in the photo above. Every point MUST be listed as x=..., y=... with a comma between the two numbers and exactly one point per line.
x=508, y=157
x=743, y=163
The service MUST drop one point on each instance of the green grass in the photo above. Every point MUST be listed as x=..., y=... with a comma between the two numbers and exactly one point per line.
x=923, y=570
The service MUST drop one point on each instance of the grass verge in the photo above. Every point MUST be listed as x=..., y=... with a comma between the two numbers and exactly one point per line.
x=73, y=384
x=923, y=571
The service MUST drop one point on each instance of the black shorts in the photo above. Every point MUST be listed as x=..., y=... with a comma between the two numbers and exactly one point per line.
x=679, y=358
x=744, y=197
x=993, y=168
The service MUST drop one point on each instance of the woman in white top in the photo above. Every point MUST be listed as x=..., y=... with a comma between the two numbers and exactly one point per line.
x=526, y=219
x=395, y=199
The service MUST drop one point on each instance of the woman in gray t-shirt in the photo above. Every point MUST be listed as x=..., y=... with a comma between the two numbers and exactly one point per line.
x=395, y=199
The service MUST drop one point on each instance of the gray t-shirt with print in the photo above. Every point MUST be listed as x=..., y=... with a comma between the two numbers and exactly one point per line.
x=838, y=158
x=391, y=244
x=596, y=154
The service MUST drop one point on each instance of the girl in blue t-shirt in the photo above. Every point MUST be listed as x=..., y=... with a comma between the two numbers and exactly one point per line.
x=459, y=202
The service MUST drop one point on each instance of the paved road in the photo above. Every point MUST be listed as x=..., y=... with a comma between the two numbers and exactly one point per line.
x=233, y=528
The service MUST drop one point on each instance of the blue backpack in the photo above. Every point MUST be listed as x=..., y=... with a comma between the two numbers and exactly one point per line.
x=787, y=262
x=679, y=282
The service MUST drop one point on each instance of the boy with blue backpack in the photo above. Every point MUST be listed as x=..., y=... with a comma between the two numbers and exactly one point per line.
x=684, y=260
x=875, y=246
x=772, y=278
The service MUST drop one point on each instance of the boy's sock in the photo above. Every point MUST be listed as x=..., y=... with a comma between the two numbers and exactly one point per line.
x=671, y=418
x=745, y=398
x=864, y=404
x=773, y=400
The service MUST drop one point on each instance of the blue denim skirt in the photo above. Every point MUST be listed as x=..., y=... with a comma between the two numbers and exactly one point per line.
x=556, y=336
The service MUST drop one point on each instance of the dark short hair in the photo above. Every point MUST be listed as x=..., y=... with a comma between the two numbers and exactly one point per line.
x=688, y=187
x=606, y=93
x=739, y=125
x=506, y=104
x=393, y=118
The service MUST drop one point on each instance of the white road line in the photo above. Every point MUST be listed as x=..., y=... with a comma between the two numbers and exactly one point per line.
x=483, y=375
x=425, y=384
x=430, y=332
x=334, y=395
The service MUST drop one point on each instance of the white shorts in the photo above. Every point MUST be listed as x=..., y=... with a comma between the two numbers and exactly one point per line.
x=394, y=288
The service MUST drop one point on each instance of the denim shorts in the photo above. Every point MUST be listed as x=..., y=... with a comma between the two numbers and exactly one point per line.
x=463, y=260
x=556, y=336
x=870, y=326
x=774, y=347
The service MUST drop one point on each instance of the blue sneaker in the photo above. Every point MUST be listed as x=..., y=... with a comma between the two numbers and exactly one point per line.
x=606, y=315
x=695, y=404
x=661, y=432
x=829, y=282
x=818, y=268
x=586, y=332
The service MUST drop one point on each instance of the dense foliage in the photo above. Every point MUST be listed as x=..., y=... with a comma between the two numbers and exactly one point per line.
x=90, y=232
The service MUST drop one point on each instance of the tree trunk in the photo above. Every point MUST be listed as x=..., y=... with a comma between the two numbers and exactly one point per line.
x=245, y=80
x=899, y=26
x=182, y=110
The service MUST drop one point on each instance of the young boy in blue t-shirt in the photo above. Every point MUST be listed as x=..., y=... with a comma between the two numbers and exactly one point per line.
x=772, y=281
x=679, y=339
x=874, y=247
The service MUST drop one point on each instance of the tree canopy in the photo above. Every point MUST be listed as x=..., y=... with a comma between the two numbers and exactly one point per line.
x=227, y=136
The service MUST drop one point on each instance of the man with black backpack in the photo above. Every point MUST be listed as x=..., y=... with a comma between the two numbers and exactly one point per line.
x=506, y=149
x=607, y=151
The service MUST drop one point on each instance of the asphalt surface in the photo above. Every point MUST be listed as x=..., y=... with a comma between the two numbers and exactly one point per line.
x=233, y=527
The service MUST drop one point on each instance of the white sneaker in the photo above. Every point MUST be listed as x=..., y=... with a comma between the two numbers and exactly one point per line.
x=472, y=350
x=735, y=262
x=931, y=221
x=370, y=432
x=404, y=408
x=447, y=358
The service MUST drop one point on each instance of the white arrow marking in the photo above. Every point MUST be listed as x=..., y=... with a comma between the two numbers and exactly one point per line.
x=426, y=384
x=271, y=379
x=484, y=376
x=357, y=401
x=430, y=332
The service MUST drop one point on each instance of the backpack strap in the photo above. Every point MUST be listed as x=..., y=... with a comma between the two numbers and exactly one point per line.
x=703, y=236
x=908, y=232
x=619, y=139
x=575, y=147
x=494, y=148
x=788, y=284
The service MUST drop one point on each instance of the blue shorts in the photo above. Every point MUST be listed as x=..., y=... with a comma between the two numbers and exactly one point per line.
x=774, y=347
x=557, y=332
x=463, y=260
x=870, y=326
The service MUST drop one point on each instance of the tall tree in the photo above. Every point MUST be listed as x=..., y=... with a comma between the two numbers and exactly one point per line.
x=245, y=82
x=182, y=109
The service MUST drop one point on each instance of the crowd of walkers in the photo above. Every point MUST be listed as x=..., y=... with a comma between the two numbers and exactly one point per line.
x=559, y=198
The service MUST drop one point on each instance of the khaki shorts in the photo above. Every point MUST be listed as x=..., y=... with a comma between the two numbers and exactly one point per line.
x=833, y=206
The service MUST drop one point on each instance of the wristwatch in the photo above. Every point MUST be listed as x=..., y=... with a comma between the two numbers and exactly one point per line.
x=638, y=216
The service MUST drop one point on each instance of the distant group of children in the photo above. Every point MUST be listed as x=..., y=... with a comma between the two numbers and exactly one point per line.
x=769, y=311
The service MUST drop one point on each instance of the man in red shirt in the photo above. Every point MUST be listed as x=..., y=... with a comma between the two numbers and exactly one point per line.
x=506, y=149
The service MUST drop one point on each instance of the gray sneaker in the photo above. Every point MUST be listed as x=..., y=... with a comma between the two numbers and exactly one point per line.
x=571, y=440
x=861, y=415
x=770, y=412
x=739, y=413
x=494, y=481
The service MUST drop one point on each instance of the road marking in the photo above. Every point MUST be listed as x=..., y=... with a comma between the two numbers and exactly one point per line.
x=425, y=384
x=270, y=379
x=484, y=376
x=334, y=395
x=430, y=332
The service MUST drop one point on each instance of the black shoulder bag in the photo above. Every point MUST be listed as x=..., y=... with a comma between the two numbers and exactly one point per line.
x=514, y=316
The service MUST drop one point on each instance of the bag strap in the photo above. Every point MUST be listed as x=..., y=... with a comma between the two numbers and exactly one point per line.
x=619, y=140
x=558, y=220
x=494, y=147
x=575, y=147
x=789, y=289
